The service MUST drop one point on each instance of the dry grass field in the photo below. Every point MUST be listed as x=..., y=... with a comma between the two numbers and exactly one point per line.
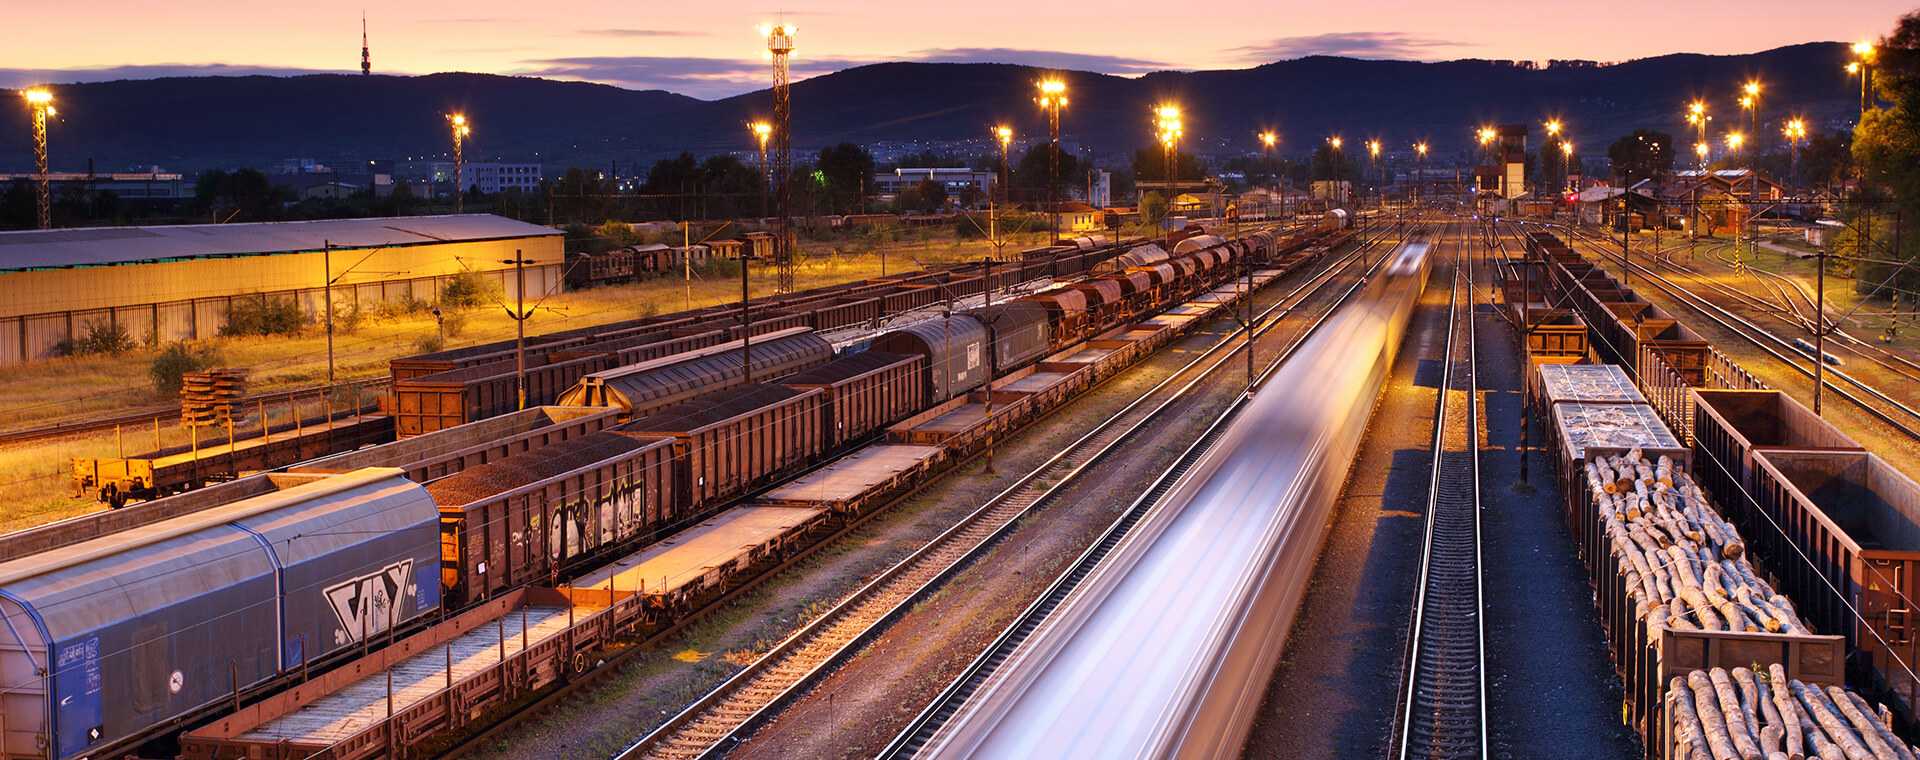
x=35, y=478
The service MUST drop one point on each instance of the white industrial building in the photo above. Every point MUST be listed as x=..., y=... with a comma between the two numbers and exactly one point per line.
x=955, y=180
x=178, y=282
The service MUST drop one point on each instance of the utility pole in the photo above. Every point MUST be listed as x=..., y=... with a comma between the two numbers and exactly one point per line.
x=520, y=316
x=993, y=355
x=1626, y=251
x=1820, y=331
x=326, y=261
x=746, y=318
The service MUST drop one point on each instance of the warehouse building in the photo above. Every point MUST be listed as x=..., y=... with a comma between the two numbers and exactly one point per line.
x=178, y=282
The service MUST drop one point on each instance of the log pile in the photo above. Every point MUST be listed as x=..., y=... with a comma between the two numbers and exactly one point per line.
x=1685, y=567
x=1762, y=715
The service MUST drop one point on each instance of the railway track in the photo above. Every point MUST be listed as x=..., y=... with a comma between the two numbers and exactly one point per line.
x=1898, y=415
x=171, y=413
x=926, y=727
x=1788, y=310
x=716, y=721
x=1443, y=695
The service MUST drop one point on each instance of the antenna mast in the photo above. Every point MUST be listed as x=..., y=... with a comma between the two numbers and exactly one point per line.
x=366, y=58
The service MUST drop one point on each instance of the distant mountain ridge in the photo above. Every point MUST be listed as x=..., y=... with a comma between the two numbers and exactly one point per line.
x=191, y=123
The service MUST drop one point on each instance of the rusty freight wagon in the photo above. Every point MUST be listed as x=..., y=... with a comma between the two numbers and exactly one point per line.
x=1847, y=550
x=1730, y=426
x=725, y=444
x=865, y=392
x=435, y=402
x=529, y=518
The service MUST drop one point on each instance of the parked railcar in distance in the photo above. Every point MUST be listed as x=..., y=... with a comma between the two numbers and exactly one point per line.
x=1020, y=333
x=727, y=443
x=955, y=348
x=109, y=638
x=865, y=392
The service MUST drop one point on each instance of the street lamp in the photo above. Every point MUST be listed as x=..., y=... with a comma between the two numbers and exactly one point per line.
x=1168, y=128
x=1335, y=142
x=1698, y=117
x=1373, y=159
x=1862, y=64
x=1420, y=153
x=40, y=103
x=457, y=122
x=1735, y=140
x=1003, y=134
x=1750, y=100
x=1795, y=130
x=1053, y=97
x=1553, y=127
x=1566, y=162
x=761, y=131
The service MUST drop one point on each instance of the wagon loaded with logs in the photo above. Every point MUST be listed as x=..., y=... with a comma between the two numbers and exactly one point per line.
x=1734, y=714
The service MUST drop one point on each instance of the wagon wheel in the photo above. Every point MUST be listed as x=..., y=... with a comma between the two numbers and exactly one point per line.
x=579, y=663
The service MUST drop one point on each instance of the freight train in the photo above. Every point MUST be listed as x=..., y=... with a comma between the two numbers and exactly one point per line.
x=121, y=634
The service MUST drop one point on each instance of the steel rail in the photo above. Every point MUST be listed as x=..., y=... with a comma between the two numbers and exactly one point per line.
x=1442, y=703
x=796, y=661
x=1735, y=323
x=927, y=724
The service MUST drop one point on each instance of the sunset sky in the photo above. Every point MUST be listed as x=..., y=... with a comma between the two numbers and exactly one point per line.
x=709, y=49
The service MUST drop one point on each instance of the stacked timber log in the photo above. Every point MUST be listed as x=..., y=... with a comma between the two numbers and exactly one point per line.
x=1686, y=568
x=1747, y=715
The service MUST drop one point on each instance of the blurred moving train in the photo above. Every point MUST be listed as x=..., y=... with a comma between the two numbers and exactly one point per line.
x=111, y=639
x=1166, y=649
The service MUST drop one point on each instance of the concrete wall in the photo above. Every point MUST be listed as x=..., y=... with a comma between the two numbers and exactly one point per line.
x=188, y=300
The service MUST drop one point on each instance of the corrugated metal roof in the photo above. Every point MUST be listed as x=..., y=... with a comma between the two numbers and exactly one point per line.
x=98, y=246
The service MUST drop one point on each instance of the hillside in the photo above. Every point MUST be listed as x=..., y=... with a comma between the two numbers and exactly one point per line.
x=190, y=123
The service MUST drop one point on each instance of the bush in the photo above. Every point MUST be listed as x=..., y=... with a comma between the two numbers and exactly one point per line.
x=263, y=316
x=106, y=337
x=452, y=324
x=348, y=316
x=101, y=338
x=429, y=343
x=405, y=307
x=174, y=362
x=469, y=289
